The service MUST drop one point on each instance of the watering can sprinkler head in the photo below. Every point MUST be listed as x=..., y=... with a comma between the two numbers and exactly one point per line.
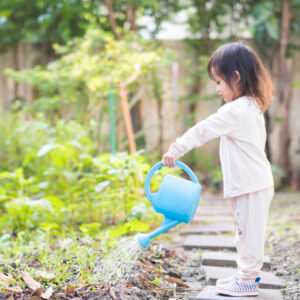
x=177, y=199
x=143, y=240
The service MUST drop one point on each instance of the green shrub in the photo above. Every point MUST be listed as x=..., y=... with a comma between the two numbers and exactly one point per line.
x=60, y=184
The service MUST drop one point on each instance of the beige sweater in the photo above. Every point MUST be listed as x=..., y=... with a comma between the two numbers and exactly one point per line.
x=241, y=126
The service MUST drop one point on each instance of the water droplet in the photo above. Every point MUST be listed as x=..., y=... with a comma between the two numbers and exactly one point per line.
x=117, y=265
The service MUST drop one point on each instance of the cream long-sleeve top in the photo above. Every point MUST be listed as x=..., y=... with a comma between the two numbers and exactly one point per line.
x=240, y=125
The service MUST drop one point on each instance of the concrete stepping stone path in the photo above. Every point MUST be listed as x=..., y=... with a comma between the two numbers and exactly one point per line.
x=226, y=259
x=210, y=242
x=208, y=228
x=268, y=279
x=214, y=210
x=212, y=219
x=209, y=293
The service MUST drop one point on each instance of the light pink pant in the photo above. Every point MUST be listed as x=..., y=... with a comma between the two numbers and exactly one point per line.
x=251, y=214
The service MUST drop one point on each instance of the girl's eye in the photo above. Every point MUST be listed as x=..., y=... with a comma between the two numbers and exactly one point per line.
x=218, y=82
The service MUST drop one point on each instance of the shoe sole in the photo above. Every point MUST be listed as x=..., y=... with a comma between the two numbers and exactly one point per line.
x=233, y=293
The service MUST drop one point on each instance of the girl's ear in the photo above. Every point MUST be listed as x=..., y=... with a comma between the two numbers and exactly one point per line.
x=237, y=76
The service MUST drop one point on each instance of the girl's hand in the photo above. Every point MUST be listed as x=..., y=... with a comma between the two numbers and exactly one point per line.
x=168, y=160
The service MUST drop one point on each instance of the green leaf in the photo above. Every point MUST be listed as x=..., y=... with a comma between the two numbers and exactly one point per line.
x=295, y=84
x=90, y=228
x=263, y=11
x=28, y=157
x=272, y=26
x=45, y=149
x=5, y=13
x=277, y=119
x=101, y=186
x=43, y=184
x=5, y=175
x=156, y=281
x=138, y=226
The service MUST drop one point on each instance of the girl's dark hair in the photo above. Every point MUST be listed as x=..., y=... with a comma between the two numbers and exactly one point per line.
x=254, y=79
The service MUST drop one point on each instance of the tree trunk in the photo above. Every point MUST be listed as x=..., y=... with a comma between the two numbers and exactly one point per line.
x=269, y=130
x=158, y=96
x=111, y=18
x=131, y=17
x=127, y=118
x=196, y=85
x=284, y=92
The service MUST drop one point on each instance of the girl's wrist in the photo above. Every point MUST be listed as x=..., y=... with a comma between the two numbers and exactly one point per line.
x=173, y=155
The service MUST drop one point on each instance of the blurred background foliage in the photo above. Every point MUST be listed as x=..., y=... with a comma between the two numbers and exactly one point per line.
x=55, y=174
x=55, y=182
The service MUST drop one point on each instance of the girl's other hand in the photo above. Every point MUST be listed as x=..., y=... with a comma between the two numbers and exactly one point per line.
x=168, y=160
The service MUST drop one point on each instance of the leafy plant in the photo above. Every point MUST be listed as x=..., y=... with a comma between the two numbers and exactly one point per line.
x=63, y=186
x=80, y=79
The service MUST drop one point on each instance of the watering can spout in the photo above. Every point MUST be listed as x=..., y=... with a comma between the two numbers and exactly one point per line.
x=144, y=239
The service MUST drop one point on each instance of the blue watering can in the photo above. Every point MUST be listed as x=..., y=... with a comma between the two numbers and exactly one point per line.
x=177, y=199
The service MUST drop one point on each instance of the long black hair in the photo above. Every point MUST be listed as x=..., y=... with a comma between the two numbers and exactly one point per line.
x=254, y=79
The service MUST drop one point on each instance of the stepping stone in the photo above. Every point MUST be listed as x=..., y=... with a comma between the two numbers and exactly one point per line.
x=213, y=219
x=195, y=285
x=210, y=210
x=210, y=242
x=209, y=293
x=226, y=259
x=268, y=279
x=209, y=228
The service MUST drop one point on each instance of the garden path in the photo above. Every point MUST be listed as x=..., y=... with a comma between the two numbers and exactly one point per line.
x=213, y=229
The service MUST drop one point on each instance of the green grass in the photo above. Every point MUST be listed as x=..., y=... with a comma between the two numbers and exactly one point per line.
x=69, y=259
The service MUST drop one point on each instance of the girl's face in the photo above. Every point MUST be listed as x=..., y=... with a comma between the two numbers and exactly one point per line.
x=224, y=90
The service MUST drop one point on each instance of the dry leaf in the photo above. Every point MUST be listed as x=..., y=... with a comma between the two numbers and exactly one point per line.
x=37, y=292
x=33, y=298
x=104, y=291
x=177, y=281
x=112, y=293
x=170, y=253
x=70, y=290
x=44, y=275
x=34, y=285
x=5, y=278
x=13, y=290
x=11, y=297
x=48, y=293
x=145, y=266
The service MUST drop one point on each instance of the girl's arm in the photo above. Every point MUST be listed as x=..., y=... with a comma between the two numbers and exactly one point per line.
x=221, y=123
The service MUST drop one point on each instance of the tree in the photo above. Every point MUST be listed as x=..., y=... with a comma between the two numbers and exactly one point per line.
x=77, y=84
x=207, y=22
x=276, y=22
x=44, y=22
x=122, y=14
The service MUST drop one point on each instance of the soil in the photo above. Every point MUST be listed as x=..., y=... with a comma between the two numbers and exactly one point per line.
x=283, y=242
x=166, y=271
x=162, y=272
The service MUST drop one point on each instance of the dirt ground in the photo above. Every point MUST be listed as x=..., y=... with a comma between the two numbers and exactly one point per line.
x=166, y=271
x=283, y=241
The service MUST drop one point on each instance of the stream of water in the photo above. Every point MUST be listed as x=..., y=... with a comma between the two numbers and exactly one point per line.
x=117, y=264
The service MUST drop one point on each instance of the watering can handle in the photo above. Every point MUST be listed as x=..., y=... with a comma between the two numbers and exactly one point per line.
x=158, y=166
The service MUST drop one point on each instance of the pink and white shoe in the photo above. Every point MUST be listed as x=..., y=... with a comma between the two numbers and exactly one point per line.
x=226, y=280
x=238, y=288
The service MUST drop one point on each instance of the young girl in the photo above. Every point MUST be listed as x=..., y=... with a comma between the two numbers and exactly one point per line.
x=244, y=84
